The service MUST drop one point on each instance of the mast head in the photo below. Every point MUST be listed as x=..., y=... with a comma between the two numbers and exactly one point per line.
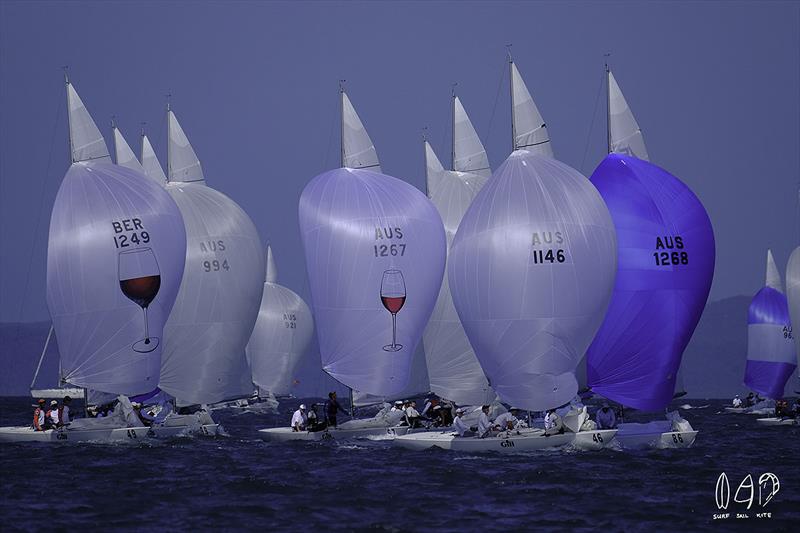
x=508, y=52
x=168, y=96
x=341, y=85
x=453, y=89
x=605, y=61
x=65, y=68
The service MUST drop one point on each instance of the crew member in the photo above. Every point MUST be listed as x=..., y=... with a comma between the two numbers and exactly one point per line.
x=459, y=426
x=39, y=415
x=332, y=408
x=737, y=402
x=605, y=417
x=484, y=424
x=553, y=423
x=63, y=412
x=508, y=420
x=52, y=415
x=299, y=419
x=412, y=415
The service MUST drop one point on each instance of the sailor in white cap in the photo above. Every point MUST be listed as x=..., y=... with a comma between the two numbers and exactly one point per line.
x=508, y=420
x=299, y=419
x=459, y=426
x=398, y=406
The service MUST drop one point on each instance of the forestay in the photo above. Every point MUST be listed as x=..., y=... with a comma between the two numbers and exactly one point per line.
x=375, y=251
x=665, y=246
x=770, y=344
x=114, y=265
x=529, y=129
x=281, y=335
x=531, y=272
x=453, y=369
x=219, y=299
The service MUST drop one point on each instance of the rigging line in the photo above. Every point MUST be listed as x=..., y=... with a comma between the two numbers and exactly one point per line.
x=591, y=125
x=38, y=221
x=496, y=98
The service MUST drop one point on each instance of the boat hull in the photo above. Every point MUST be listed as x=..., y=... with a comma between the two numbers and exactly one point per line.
x=27, y=434
x=774, y=421
x=657, y=440
x=505, y=442
x=284, y=434
x=165, y=432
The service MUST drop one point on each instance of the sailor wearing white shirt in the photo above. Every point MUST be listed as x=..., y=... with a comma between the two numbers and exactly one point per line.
x=507, y=420
x=484, y=424
x=52, y=414
x=412, y=415
x=299, y=419
x=398, y=406
x=459, y=426
x=553, y=423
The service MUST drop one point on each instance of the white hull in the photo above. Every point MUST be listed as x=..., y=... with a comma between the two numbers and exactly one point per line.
x=27, y=434
x=749, y=410
x=285, y=434
x=774, y=421
x=657, y=440
x=165, y=432
x=56, y=393
x=506, y=442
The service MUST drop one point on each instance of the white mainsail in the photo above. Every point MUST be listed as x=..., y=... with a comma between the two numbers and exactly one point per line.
x=624, y=135
x=528, y=128
x=204, y=355
x=453, y=369
x=469, y=155
x=358, y=151
x=281, y=335
x=773, y=278
x=150, y=164
x=123, y=153
x=85, y=140
x=183, y=164
x=793, y=294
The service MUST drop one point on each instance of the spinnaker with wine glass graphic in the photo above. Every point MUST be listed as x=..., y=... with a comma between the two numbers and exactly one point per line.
x=373, y=244
x=114, y=264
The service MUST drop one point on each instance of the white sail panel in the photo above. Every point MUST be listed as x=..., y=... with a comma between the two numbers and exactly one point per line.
x=281, y=335
x=773, y=276
x=150, y=164
x=183, y=163
x=793, y=294
x=85, y=139
x=469, y=153
x=123, y=153
x=626, y=137
x=453, y=369
x=530, y=131
x=357, y=148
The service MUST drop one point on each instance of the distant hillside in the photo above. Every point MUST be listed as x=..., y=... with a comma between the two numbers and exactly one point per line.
x=713, y=364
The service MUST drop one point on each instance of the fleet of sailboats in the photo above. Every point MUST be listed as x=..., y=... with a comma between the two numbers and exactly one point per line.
x=160, y=291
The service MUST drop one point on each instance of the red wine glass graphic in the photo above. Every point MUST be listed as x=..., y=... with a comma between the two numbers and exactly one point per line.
x=393, y=296
x=139, y=280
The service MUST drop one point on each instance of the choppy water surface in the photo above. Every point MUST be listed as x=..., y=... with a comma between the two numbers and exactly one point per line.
x=240, y=482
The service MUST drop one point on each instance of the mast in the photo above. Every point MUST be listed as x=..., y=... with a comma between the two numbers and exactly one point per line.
x=352, y=404
x=425, y=158
x=608, y=106
x=453, y=128
x=69, y=117
x=141, y=142
x=341, y=138
x=169, y=126
x=511, y=88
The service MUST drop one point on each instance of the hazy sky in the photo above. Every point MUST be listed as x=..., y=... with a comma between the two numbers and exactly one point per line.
x=715, y=87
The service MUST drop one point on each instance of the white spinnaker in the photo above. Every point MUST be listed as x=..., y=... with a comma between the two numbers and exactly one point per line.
x=624, y=132
x=204, y=357
x=184, y=166
x=469, y=153
x=530, y=131
x=793, y=294
x=85, y=140
x=358, y=151
x=281, y=335
x=123, y=153
x=773, y=279
x=150, y=164
x=453, y=369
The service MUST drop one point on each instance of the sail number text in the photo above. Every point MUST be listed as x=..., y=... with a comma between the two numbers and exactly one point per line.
x=218, y=264
x=290, y=320
x=393, y=249
x=129, y=232
x=541, y=253
x=664, y=257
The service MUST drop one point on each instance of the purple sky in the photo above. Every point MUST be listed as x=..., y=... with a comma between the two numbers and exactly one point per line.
x=715, y=87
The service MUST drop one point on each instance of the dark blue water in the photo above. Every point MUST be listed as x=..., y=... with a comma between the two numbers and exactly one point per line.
x=238, y=482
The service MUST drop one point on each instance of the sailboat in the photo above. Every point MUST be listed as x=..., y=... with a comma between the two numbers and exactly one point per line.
x=531, y=270
x=453, y=369
x=771, y=358
x=113, y=272
x=665, y=268
x=217, y=305
x=280, y=338
x=375, y=253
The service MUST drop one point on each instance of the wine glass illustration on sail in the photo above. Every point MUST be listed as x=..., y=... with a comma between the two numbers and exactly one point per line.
x=393, y=296
x=140, y=280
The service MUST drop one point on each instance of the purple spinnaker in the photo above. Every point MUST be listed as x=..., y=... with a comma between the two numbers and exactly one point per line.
x=664, y=271
x=770, y=348
x=375, y=252
x=531, y=271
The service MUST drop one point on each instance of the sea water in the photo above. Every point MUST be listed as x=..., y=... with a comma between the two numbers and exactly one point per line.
x=238, y=482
